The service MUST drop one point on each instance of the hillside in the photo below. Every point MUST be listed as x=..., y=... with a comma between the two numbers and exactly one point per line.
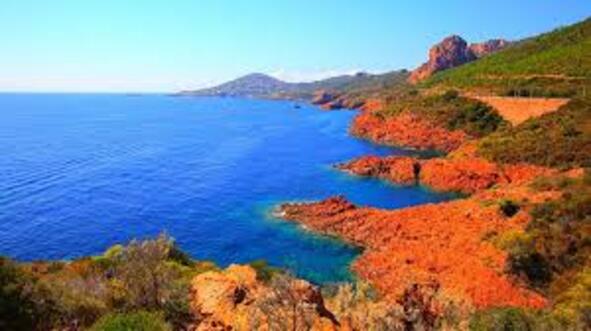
x=263, y=86
x=557, y=63
x=252, y=85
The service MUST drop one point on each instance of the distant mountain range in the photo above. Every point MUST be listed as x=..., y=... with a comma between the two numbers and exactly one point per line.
x=259, y=85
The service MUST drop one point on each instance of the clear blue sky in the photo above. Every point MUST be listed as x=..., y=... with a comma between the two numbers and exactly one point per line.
x=128, y=45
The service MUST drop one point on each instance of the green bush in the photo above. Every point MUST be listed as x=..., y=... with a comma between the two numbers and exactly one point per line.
x=509, y=208
x=559, y=235
x=518, y=319
x=16, y=309
x=560, y=139
x=501, y=319
x=265, y=272
x=449, y=109
x=137, y=321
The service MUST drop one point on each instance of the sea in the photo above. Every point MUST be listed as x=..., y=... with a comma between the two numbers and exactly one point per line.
x=82, y=172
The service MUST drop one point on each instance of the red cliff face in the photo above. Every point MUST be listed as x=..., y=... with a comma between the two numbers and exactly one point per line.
x=453, y=51
x=467, y=175
x=488, y=47
x=401, y=170
x=408, y=130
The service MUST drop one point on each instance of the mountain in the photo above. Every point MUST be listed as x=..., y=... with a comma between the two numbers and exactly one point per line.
x=259, y=85
x=252, y=85
x=557, y=63
x=454, y=51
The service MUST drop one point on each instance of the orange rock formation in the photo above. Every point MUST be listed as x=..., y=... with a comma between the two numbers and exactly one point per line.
x=461, y=174
x=233, y=299
x=440, y=243
x=407, y=130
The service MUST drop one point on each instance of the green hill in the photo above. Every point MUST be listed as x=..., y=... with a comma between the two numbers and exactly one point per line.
x=557, y=63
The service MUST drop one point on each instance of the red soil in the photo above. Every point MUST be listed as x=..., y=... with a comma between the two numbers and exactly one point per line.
x=407, y=130
x=438, y=242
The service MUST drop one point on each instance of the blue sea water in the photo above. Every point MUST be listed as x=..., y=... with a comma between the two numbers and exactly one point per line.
x=79, y=173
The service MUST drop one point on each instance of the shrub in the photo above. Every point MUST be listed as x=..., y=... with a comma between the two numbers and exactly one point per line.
x=265, y=272
x=451, y=110
x=16, y=309
x=509, y=208
x=137, y=321
x=450, y=95
x=560, y=139
x=500, y=319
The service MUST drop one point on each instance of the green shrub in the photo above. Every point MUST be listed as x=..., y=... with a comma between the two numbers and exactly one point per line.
x=509, y=208
x=449, y=109
x=500, y=319
x=265, y=272
x=137, y=321
x=16, y=309
x=558, y=239
x=560, y=139
x=518, y=319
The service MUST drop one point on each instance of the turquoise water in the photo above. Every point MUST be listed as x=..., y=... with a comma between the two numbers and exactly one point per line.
x=80, y=173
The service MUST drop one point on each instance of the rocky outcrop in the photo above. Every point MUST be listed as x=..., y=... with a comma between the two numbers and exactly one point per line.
x=437, y=243
x=407, y=129
x=488, y=47
x=466, y=175
x=333, y=100
x=234, y=299
x=453, y=51
x=397, y=169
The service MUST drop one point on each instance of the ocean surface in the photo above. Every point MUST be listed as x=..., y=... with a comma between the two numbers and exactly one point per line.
x=79, y=173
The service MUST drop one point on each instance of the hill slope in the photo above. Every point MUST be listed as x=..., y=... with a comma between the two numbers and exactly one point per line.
x=552, y=64
x=263, y=86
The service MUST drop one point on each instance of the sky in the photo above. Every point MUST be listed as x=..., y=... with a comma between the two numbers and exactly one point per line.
x=165, y=46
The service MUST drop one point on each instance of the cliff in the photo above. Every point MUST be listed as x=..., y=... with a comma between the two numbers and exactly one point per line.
x=451, y=52
x=407, y=129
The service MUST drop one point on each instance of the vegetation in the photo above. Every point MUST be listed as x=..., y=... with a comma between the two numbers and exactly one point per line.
x=553, y=255
x=553, y=64
x=455, y=111
x=151, y=275
x=516, y=319
x=509, y=208
x=15, y=305
x=265, y=272
x=138, y=321
x=559, y=139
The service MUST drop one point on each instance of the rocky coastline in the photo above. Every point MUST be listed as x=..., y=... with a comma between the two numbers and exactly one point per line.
x=451, y=244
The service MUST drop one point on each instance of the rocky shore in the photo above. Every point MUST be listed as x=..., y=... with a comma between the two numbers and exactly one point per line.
x=409, y=130
x=452, y=244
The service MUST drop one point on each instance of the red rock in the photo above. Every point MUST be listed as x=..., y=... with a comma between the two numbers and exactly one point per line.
x=488, y=47
x=453, y=51
x=397, y=169
x=408, y=130
x=436, y=242
x=466, y=174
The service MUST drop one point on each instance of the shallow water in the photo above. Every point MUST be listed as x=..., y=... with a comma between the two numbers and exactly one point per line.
x=79, y=173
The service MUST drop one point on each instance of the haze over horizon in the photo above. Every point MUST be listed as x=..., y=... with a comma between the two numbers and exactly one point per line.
x=73, y=46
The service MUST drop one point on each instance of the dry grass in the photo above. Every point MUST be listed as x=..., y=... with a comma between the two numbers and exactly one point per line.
x=519, y=110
